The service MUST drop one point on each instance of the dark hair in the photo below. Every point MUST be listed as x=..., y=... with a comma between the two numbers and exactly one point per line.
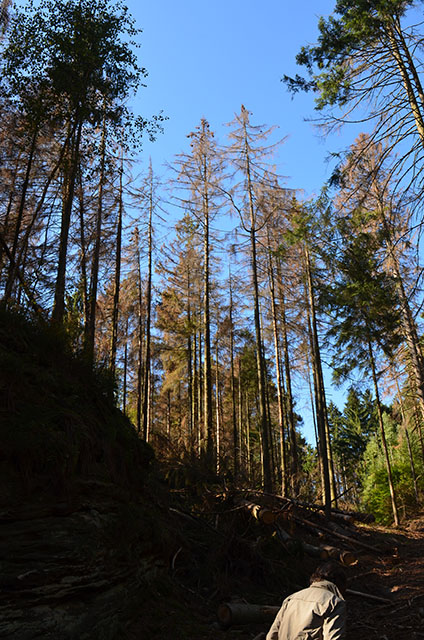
x=332, y=572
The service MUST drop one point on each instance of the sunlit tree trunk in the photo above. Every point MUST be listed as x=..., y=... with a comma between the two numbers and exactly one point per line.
x=320, y=405
x=236, y=432
x=383, y=436
x=146, y=385
x=278, y=368
x=117, y=283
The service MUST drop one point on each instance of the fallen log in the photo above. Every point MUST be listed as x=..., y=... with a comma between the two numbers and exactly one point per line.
x=309, y=549
x=345, y=557
x=232, y=613
x=344, y=517
x=264, y=515
x=349, y=539
x=355, y=515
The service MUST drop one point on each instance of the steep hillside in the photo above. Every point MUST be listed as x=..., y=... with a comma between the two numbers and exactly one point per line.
x=58, y=424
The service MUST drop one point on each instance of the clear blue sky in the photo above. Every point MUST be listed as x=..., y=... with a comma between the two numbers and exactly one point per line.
x=207, y=58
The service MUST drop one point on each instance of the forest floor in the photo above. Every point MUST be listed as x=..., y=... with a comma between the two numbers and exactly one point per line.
x=397, y=576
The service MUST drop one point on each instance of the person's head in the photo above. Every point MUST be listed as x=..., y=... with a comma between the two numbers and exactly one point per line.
x=332, y=572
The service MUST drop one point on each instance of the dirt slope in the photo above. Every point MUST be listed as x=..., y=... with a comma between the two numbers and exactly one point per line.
x=398, y=577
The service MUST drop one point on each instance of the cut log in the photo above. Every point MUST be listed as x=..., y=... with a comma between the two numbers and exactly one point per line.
x=231, y=613
x=264, y=515
x=309, y=549
x=366, y=518
x=315, y=552
x=347, y=519
x=356, y=515
x=345, y=557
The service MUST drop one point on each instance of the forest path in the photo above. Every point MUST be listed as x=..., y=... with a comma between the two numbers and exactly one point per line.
x=399, y=577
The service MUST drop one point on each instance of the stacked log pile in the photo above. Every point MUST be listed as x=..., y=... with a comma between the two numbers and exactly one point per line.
x=301, y=525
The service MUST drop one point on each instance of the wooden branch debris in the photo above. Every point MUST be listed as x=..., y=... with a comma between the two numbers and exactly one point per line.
x=369, y=596
x=331, y=532
x=231, y=613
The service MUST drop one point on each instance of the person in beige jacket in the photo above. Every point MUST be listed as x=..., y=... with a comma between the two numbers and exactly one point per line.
x=315, y=613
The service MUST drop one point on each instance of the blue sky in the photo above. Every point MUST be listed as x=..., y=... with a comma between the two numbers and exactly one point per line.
x=206, y=59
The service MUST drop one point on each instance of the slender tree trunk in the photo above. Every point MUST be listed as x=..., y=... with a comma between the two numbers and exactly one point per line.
x=263, y=422
x=239, y=453
x=200, y=388
x=383, y=437
x=124, y=384
x=412, y=465
x=190, y=394
x=288, y=396
x=207, y=371
x=218, y=413
x=83, y=254
x=12, y=194
x=140, y=340
x=117, y=284
x=407, y=71
x=320, y=405
x=196, y=423
x=248, y=456
x=280, y=397
x=94, y=279
x=236, y=433
x=59, y=294
x=146, y=386
x=12, y=275
x=411, y=457
x=168, y=413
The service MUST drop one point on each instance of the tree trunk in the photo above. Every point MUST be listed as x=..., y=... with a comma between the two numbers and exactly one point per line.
x=117, y=284
x=263, y=422
x=280, y=397
x=94, y=279
x=236, y=433
x=59, y=294
x=12, y=266
x=218, y=413
x=320, y=405
x=146, y=385
x=140, y=337
x=399, y=46
x=383, y=437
